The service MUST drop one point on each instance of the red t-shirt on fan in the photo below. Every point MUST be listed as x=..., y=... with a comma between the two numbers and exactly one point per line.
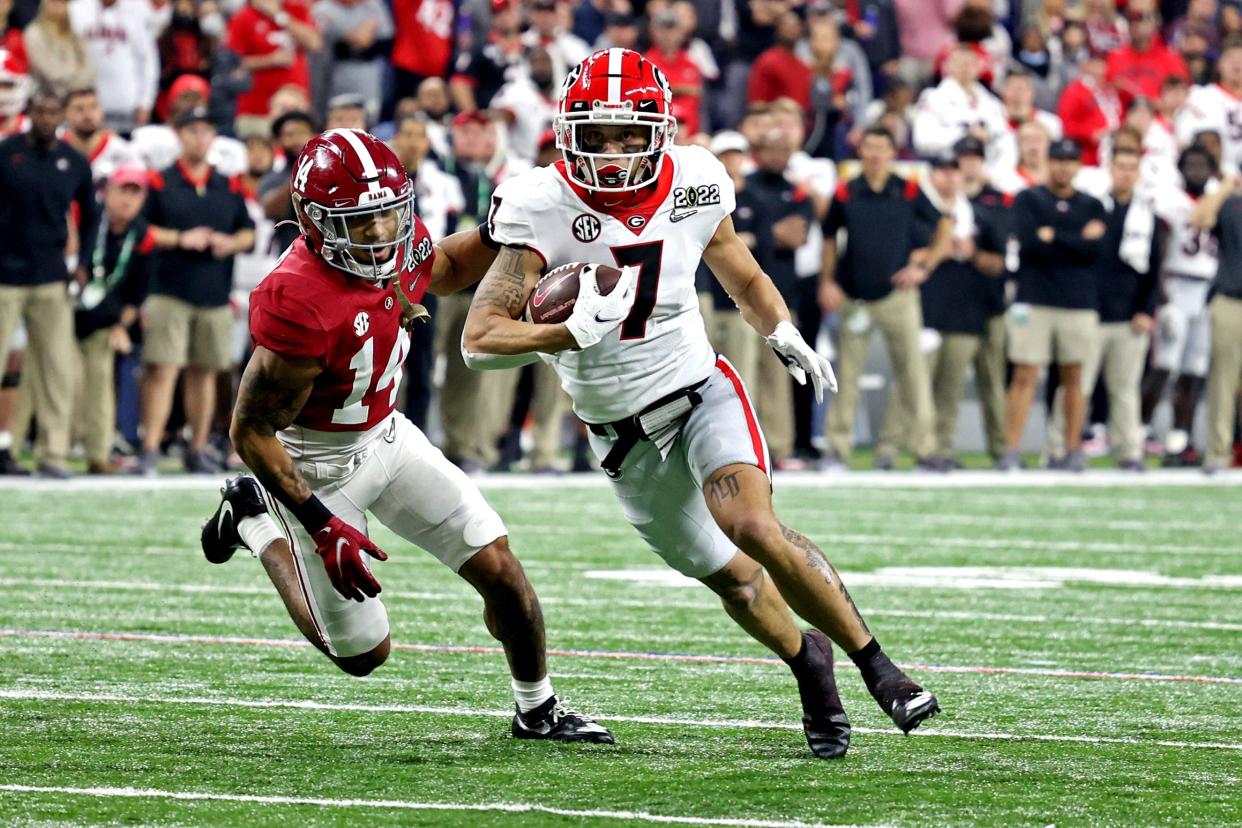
x=254, y=34
x=682, y=72
x=423, y=41
x=307, y=309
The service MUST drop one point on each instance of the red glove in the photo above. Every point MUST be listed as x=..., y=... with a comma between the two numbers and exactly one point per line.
x=341, y=547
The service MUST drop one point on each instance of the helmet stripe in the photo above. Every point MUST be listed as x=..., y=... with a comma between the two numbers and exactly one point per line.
x=364, y=155
x=616, y=58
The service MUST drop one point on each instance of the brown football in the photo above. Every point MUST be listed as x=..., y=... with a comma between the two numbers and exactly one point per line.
x=552, y=300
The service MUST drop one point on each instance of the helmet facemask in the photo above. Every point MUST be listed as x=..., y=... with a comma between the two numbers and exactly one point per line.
x=367, y=240
x=613, y=172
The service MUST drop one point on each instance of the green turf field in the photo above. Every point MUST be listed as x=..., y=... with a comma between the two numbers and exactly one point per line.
x=1084, y=641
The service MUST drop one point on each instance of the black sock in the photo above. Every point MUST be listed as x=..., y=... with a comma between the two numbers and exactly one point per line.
x=872, y=663
x=797, y=662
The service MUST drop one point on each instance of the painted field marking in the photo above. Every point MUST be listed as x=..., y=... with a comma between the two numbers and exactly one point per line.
x=404, y=805
x=165, y=638
x=673, y=721
x=662, y=603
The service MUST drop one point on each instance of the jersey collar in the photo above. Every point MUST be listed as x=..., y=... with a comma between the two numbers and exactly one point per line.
x=634, y=210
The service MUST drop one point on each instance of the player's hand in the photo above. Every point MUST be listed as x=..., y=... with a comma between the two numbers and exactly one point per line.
x=801, y=359
x=595, y=315
x=342, y=546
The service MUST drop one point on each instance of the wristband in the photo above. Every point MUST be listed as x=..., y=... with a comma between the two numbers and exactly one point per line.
x=312, y=514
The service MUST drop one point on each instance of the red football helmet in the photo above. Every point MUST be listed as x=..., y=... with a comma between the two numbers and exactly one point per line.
x=14, y=84
x=611, y=88
x=354, y=203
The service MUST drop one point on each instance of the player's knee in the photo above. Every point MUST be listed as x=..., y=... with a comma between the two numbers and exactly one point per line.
x=738, y=596
x=495, y=567
x=755, y=534
x=366, y=663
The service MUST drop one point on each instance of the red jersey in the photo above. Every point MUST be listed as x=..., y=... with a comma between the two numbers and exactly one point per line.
x=1134, y=73
x=307, y=309
x=779, y=73
x=682, y=74
x=253, y=34
x=423, y=42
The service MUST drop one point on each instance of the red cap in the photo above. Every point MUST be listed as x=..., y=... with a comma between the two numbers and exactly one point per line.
x=134, y=174
x=189, y=83
x=500, y=5
x=475, y=117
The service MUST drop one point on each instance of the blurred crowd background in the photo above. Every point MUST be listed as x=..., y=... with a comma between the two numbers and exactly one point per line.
x=995, y=186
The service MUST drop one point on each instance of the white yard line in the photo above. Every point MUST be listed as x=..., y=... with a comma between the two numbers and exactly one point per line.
x=620, y=655
x=706, y=606
x=928, y=731
x=405, y=805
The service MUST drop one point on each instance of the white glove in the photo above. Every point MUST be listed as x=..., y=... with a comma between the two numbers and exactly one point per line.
x=801, y=359
x=595, y=315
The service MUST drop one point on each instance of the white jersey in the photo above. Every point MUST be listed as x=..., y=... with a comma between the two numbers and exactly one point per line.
x=945, y=113
x=120, y=42
x=111, y=152
x=1212, y=108
x=1190, y=251
x=159, y=148
x=662, y=346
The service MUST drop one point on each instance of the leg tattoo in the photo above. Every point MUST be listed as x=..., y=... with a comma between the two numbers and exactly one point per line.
x=816, y=560
x=725, y=487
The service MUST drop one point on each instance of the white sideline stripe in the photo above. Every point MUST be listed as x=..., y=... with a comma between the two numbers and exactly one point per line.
x=620, y=655
x=672, y=721
x=710, y=606
x=1102, y=478
x=404, y=805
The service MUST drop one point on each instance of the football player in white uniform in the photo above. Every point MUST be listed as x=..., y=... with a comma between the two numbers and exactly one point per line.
x=1182, y=342
x=1217, y=107
x=672, y=422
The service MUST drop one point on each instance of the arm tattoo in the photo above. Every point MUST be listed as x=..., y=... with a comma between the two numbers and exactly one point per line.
x=724, y=487
x=264, y=407
x=504, y=286
x=816, y=560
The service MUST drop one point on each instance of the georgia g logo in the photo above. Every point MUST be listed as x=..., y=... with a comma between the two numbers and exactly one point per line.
x=586, y=228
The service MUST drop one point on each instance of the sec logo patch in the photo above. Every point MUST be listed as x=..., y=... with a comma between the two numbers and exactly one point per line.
x=362, y=323
x=586, y=228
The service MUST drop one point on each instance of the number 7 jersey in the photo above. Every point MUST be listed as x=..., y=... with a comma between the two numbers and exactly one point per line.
x=662, y=230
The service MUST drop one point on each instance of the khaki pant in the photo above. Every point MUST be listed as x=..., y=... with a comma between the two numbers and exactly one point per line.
x=548, y=406
x=474, y=405
x=1223, y=377
x=946, y=368
x=49, y=323
x=1119, y=354
x=899, y=318
x=178, y=333
x=990, y=384
x=96, y=405
x=769, y=382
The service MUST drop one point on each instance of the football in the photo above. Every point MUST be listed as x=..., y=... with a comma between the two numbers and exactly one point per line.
x=552, y=300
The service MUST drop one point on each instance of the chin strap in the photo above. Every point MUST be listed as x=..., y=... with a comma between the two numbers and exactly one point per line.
x=411, y=312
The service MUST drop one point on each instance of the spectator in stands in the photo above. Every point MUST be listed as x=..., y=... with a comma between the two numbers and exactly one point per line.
x=1138, y=69
x=272, y=37
x=957, y=107
x=840, y=89
x=1106, y=30
x=121, y=266
x=668, y=51
x=620, y=31
x=434, y=105
x=528, y=102
x=700, y=52
x=1222, y=213
x=358, y=37
x=1060, y=232
x=11, y=40
x=158, y=145
x=779, y=72
x=976, y=26
x=40, y=178
x=1126, y=302
x=1018, y=98
x=59, y=60
x=422, y=44
x=924, y=26
x=84, y=131
x=548, y=29
x=1090, y=108
x=1199, y=19
x=1032, y=167
x=291, y=132
x=479, y=73
x=185, y=46
x=200, y=222
x=874, y=284
x=118, y=35
x=14, y=90
x=348, y=111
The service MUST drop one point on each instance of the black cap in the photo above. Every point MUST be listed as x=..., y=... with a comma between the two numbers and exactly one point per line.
x=194, y=115
x=624, y=20
x=1065, y=150
x=969, y=145
x=943, y=159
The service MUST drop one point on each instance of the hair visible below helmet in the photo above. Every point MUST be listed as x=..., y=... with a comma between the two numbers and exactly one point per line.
x=614, y=87
x=353, y=201
x=14, y=85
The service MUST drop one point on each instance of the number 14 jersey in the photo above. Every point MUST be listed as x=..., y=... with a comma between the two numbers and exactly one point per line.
x=662, y=230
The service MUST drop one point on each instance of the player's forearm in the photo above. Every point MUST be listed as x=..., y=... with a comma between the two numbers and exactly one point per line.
x=270, y=462
x=761, y=304
x=466, y=260
x=491, y=333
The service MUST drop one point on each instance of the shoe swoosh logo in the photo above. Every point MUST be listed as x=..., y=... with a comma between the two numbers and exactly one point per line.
x=674, y=218
x=226, y=509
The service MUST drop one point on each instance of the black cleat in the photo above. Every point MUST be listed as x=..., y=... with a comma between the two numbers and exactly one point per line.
x=905, y=702
x=552, y=720
x=241, y=499
x=824, y=722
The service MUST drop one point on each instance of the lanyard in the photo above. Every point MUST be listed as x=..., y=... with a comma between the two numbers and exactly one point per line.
x=108, y=281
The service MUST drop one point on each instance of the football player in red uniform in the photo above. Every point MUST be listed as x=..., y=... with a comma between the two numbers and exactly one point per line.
x=316, y=423
x=671, y=421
